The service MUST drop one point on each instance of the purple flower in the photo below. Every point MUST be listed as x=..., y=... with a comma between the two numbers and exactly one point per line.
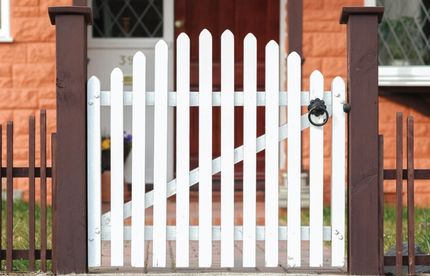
x=127, y=137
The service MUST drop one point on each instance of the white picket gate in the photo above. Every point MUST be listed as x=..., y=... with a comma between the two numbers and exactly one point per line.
x=110, y=226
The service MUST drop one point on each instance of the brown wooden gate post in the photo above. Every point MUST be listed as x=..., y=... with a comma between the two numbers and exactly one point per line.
x=363, y=233
x=71, y=171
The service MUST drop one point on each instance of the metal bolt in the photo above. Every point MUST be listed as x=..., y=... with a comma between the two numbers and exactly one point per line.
x=340, y=237
x=336, y=232
x=90, y=239
x=90, y=103
x=337, y=95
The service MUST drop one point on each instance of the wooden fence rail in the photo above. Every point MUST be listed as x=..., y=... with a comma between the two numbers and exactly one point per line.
x=399, y=174
x=31, y=172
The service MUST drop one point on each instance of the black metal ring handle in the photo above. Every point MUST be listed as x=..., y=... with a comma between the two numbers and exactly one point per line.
x=318, y=124
x=317, y=108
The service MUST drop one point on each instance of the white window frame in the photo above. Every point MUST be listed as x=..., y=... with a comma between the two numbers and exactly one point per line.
x=402, y=75
x=107, y=43
x=5, y=21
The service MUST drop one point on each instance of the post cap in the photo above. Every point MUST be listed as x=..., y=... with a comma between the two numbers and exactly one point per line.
x=70, y=10
x=347, y=11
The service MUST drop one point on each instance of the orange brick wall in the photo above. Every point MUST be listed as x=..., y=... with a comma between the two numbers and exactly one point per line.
x=324, y=48
x=27, y=74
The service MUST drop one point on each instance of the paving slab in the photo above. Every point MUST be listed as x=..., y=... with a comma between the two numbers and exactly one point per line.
x=215, y=269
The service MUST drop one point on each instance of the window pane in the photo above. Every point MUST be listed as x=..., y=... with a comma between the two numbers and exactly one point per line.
x=128, y=18
x=404, y=33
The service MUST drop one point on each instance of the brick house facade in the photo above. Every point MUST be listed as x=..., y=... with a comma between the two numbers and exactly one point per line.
x=324, y=47
x=27, y=77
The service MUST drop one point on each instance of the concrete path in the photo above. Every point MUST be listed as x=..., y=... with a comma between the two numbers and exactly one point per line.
x=171, y=268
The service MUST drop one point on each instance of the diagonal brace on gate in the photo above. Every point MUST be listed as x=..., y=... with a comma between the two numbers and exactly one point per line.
x=216, y=168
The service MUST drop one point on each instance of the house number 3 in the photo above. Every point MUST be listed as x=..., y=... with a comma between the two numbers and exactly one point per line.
x=125, y=60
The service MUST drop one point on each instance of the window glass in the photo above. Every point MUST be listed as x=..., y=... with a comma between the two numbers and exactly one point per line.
x=404, y=33
x=127, y=18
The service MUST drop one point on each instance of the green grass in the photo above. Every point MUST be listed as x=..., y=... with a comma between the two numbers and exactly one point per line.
x=20, y=233
x=20, y=229
x=422, y=226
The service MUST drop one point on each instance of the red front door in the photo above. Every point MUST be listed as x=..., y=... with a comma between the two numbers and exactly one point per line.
x=260, y=17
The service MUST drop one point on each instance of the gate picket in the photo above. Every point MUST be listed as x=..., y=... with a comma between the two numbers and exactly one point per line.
x=94, y=176
x=249, y=149
x=117, y=167
x=272, y=153
x=294, y=159
x=138, y=164
x=183, y=150
x=205, y=149
x=160, y=158
x=338, y=175
x=316, y=177
x=227, y=149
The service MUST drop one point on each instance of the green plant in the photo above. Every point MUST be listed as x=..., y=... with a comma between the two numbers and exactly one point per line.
x=21, y=232
x=422, y=228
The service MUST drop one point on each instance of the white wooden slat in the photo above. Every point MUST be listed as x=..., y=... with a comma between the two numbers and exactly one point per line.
x=94, y=176
x=216, y=233
x=294, y=159
x=227, y=149
x=249, y=149
x=216, y=98
x=138, y=164
x=160, y=156
x=216, y=167
x=272, y=153
x=182, y=149
x=117, y=167
x=338, y=174
x=205, y=149
x=316, y=177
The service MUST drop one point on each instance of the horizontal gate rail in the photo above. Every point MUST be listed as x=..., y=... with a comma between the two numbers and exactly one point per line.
x=216, y=233
x=216, y=98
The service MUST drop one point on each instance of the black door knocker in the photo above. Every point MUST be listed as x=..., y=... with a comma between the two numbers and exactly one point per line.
x=317, y=108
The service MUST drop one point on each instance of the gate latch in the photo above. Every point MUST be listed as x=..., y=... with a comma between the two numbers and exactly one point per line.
x=317, y=108
x=346, y=107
